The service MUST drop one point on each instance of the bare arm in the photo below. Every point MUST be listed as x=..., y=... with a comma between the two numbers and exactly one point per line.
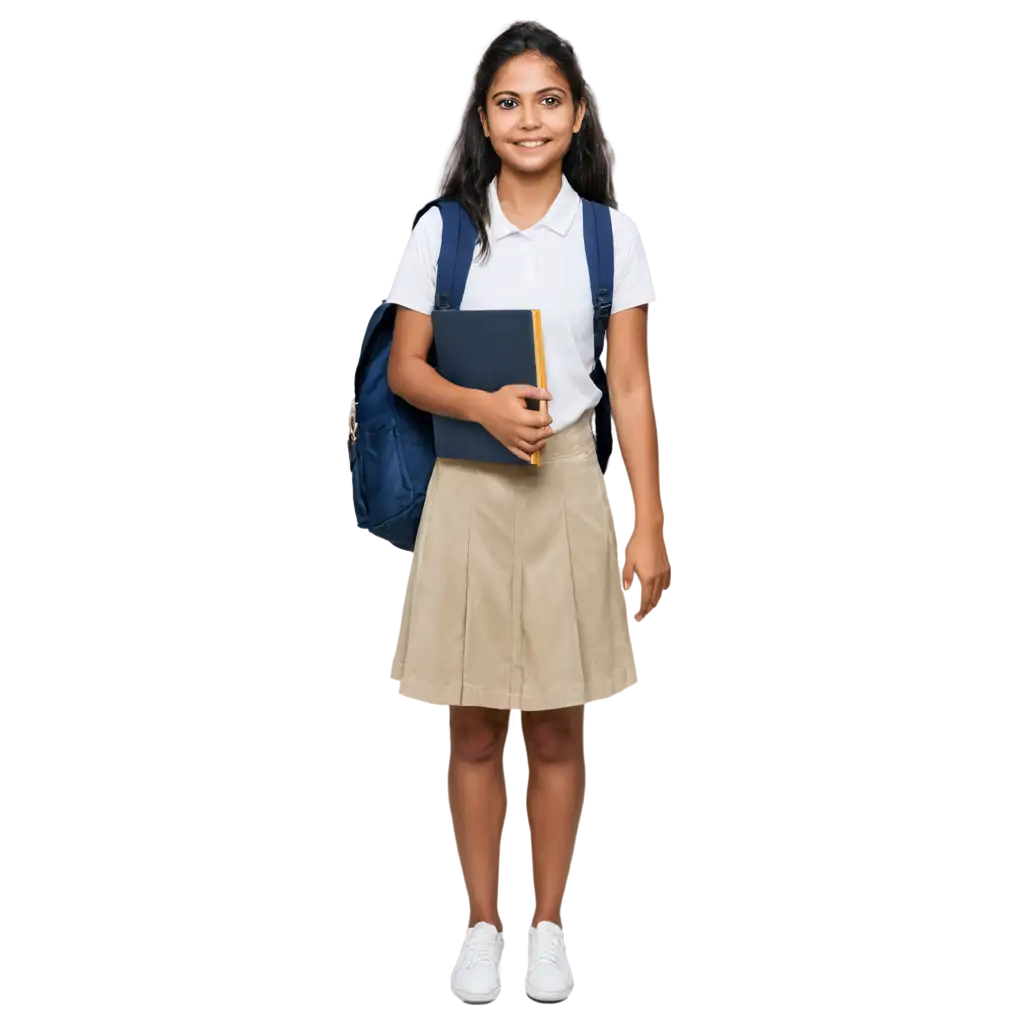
x=411, y=377
x=629, y=385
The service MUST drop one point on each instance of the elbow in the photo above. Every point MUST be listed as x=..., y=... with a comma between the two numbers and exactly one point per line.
x=627, y=386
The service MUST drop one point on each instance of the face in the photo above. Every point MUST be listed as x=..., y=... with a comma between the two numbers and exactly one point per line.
x=529, y=115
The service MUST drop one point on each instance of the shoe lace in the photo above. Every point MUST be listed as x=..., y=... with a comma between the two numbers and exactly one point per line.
x=479, y=950
x=549, y=946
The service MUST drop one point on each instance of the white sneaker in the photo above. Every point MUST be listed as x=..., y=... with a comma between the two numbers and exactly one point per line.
x=548, y=977
x=475, y=978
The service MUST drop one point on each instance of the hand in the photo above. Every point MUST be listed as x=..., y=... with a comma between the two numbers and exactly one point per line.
x=504, y=416
x=646, y=555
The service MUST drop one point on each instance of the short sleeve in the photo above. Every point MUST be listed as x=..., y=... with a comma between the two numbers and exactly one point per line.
x=633, y=285
x=416, y=279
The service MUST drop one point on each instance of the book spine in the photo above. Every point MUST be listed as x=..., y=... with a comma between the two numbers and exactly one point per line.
x=542, y=377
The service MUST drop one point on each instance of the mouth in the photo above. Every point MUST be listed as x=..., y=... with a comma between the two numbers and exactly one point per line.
x=532, y=143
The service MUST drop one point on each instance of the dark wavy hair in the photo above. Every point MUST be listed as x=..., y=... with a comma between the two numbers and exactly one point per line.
x=472, y=162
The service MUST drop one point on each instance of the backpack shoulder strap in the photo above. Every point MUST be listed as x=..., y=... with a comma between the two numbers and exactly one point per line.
x=599, y=242
x=458, y=242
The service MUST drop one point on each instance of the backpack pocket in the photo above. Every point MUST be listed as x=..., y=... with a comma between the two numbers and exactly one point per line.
x=380, y=487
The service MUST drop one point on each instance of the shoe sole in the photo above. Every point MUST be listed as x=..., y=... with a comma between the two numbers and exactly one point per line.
x=539, y=996
x=461, y=995
x=477, y=997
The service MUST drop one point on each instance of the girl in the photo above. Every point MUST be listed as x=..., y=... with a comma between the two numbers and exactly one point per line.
x=513, y=599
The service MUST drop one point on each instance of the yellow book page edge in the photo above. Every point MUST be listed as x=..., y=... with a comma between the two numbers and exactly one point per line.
x=542, y=377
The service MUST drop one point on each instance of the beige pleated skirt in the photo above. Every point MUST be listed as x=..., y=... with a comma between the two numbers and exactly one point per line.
x=514, y=598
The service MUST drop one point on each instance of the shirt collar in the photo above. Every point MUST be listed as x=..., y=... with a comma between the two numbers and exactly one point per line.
x=558, y=218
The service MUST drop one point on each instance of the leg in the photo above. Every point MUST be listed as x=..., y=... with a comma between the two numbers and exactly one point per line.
x=476, y=794
x=554, y=800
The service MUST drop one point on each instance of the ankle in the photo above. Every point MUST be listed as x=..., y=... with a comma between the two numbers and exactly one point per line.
x=475, y=919
x=554, y=918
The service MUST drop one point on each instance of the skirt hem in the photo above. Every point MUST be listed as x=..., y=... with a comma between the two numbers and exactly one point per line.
x=432, y=692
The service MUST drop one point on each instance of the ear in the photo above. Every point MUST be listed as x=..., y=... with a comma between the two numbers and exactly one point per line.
x=483, y=121
x=580, y=114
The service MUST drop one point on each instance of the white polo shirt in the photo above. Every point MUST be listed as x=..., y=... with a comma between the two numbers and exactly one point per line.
x=542, y=267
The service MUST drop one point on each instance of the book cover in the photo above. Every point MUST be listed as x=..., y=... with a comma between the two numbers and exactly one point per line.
x=485, y=349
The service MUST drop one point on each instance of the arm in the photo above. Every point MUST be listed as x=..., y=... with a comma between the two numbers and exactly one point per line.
x=629, y=387
x=411, y=377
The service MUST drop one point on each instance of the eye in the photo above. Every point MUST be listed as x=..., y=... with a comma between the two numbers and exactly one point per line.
x=507, y=103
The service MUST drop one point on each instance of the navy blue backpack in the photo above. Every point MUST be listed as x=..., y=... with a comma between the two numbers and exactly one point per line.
x=390, y=442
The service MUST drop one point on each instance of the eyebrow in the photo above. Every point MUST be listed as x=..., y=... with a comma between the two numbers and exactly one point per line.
x=509, y=92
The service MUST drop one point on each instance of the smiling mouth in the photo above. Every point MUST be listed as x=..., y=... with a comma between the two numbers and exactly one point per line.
x=532, y=143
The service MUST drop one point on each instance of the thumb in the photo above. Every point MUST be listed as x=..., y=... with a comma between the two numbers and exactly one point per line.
x=627, y=574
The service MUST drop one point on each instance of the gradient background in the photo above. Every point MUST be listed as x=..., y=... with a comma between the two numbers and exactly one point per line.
x=211, y=806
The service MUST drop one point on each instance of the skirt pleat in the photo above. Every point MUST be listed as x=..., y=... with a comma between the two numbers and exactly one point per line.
x=514, y=597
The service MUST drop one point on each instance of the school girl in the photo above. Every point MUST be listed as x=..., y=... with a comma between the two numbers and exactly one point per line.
x=514, y=598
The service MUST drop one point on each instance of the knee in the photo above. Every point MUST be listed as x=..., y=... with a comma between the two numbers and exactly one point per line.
x=475, y=737
x=553, y=737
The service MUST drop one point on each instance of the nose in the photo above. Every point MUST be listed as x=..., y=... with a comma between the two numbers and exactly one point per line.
x=529, y=117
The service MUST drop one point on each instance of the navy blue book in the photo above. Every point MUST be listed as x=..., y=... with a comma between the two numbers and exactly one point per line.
x=485, y=349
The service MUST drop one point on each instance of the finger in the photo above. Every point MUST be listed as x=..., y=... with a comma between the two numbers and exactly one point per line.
x=534, y=434
x=526, y=446
x=533, y=419
x=531, y=440
x=659, y=586
x=645, y=599
x=627, y=575
x=668, y=578
x=530, y=446
x=529, y=391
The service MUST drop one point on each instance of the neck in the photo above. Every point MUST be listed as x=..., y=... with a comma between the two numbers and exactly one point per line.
x=525, y=198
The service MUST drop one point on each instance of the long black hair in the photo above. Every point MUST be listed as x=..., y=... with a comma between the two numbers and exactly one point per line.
x=472, y=162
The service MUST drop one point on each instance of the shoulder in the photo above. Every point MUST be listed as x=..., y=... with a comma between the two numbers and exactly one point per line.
x=414, y=281
x=428, y=229
x=624, y=229
x=626, y=240
x=622, y=223
x=423, y=247
x=633, y=286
